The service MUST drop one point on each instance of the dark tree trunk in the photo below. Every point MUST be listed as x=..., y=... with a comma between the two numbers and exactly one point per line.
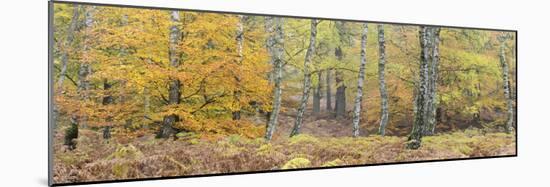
x=307, y=79
x=328, y=91
x=317, y=94
x=174, y=92
x=340, y=105
x=107, y=100
x=71, y=134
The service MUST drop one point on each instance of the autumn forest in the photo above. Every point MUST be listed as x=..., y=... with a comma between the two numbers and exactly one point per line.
x=144, y=93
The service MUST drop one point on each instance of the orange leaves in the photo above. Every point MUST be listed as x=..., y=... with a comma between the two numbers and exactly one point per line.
x=129, y=49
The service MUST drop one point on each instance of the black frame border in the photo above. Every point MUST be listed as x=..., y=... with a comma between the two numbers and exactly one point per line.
x=50, y=92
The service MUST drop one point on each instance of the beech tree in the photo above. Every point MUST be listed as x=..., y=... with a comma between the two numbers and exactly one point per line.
x=83, y=83
x=174, y=87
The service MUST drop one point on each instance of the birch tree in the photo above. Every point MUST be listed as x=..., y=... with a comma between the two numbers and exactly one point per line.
x=307, y=79
x=432, y=80
x=276, y=50
x=360, y=82
x=421, y=103
x=506, y=83
x=384, y=114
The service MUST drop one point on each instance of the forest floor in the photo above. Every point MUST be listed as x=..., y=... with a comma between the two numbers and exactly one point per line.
x=323, y=143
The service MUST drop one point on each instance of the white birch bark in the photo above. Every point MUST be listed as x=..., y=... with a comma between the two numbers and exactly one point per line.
x=277, y=52
x=384, y=114
x=307, y=79
x=506, y=84
x=420, y=118
x=360, y=82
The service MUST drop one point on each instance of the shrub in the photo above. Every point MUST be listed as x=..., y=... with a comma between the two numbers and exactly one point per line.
x=296, y=163
x=303, y=139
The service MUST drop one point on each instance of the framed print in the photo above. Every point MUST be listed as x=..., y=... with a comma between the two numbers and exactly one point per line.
x=141, y=93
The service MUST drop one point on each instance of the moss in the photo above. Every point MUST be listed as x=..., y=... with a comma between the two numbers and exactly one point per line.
x=336, y=162
x=186, y=135
x=264, y=150
x=303, y=139
x=296, y=163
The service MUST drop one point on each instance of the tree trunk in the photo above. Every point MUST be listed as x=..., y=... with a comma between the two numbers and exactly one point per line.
x=328, y=91
x=307, y=79
x=432, y=81
x=83, y=84
x=384, y=114
x=340, y=104
x=420, y=118
x=236, y=114
x=277, y=51
x=317, y=94
x=360, y=82
x=107, y=100
x=174, y=87
x=66, y=45
x=506, y=84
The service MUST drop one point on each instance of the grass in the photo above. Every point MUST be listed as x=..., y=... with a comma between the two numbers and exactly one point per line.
x=95, y=159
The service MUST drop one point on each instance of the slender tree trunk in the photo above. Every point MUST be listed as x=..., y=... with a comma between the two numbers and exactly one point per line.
x=174, y=86
x=237, y=94
x=66, y=45
x=328, y=91
x=420, y=118
x=506, y=84
x=269, y=44
x=317, y=94
x=360, y=82
x=107, y=100
x=83, y=84
x=384, y=114
x=307, y=79
x=277, y=52
x=432, y=81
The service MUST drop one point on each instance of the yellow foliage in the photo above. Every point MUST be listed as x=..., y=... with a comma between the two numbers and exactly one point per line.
x=296, y=163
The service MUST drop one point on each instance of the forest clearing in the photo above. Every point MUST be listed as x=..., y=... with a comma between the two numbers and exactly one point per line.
x=142, y=93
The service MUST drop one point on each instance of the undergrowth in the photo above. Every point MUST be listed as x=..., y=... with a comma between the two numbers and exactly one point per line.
x=95, y=159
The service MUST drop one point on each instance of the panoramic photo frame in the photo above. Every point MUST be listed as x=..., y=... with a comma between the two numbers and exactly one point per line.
x=142, y=93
